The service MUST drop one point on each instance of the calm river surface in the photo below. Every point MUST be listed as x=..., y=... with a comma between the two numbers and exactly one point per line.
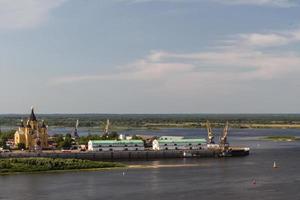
x=226, y=178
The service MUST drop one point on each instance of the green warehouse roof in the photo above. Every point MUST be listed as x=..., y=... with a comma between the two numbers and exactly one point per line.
x=117, y=141
x=198, y=140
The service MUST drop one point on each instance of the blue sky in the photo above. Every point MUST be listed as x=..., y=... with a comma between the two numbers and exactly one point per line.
x=150, y=56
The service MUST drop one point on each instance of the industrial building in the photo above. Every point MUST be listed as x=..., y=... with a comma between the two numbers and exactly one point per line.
x=177, y=143
x=116, y=145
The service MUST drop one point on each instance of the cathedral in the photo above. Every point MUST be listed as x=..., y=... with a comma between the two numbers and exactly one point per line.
x=33, y=134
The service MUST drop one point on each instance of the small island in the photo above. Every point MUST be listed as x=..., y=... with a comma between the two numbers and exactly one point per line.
x=282, y=138
x=15, y=165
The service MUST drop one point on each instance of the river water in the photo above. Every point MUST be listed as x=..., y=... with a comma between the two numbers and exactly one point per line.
x=251, y=177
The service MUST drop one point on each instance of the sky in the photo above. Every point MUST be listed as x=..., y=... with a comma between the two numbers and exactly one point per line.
x=150, y=56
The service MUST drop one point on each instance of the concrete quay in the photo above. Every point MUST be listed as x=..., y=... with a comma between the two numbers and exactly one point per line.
x=114, y=155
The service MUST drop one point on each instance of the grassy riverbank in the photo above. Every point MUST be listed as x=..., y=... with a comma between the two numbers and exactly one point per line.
x=13, y=165
x=284, y=138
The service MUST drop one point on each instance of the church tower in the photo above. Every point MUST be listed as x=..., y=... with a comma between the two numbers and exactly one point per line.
x=34, y=134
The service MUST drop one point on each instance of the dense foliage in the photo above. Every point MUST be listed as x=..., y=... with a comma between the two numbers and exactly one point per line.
x=47, y=164
x=84, y=139
x=63, y=142
x=145, y=120
x=4, y=136
x=282, y=138
x=21, y=146
x=66, y=141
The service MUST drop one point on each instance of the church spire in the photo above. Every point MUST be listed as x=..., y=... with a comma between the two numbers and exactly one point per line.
x=32, y=115
x=43, y=124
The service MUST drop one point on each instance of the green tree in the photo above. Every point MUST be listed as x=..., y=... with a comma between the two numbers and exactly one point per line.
x=3, y=143
x=135, y=137
x=112, y=136
x=4, y=136
x=58, y=138
x=84, y=139
x=67, y=142
x=21, y=146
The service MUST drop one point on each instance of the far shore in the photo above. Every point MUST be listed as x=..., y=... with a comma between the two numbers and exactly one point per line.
x=282, y=138
x=158, y=126
x=191, y=125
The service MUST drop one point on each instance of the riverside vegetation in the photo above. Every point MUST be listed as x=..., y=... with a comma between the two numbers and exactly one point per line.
x=12, y=165
x=285, y=138
x=154, y=121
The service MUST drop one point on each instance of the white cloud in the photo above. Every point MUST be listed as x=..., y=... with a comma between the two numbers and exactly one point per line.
x=295, y=35
x=277, y=3
x=274, y=3
x=141, y=70
x=266, y=39
x=242, y=61
x=20, y=14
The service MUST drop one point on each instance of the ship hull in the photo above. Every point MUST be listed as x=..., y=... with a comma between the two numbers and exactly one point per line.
x=237, y=152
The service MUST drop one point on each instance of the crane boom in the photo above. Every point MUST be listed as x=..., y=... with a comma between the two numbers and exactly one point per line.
x=210, y=134
x=77, y=124
x=76, y=129
x=107, y=126
x=223, y=139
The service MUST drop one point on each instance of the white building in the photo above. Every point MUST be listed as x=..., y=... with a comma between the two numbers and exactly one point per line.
x=125, y=137
x=175, y=143
x=116, y=145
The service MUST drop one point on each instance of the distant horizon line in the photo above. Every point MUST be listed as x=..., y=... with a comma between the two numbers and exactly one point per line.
x=245, y=113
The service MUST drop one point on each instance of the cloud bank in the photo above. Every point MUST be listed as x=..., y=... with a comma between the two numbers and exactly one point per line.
x=22, y=14
x=276, y=3
x=273, y=3
x=246, y=57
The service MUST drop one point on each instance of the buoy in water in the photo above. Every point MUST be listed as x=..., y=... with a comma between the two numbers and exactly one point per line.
x=274, y=165
x=254, y=182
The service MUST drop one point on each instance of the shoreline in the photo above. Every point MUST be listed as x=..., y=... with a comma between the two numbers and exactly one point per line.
x=46, y=165
x=138, y=166
x=60, y=171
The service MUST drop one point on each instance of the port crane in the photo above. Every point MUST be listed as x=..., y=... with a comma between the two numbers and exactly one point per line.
x=76, y=135
x=107, y=128
x=209, y=133
x=223, y=139
x=223, y=143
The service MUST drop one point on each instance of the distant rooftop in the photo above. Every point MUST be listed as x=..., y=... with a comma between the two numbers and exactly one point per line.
x=182, y=140
x=117, y=141
x=171, y=137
